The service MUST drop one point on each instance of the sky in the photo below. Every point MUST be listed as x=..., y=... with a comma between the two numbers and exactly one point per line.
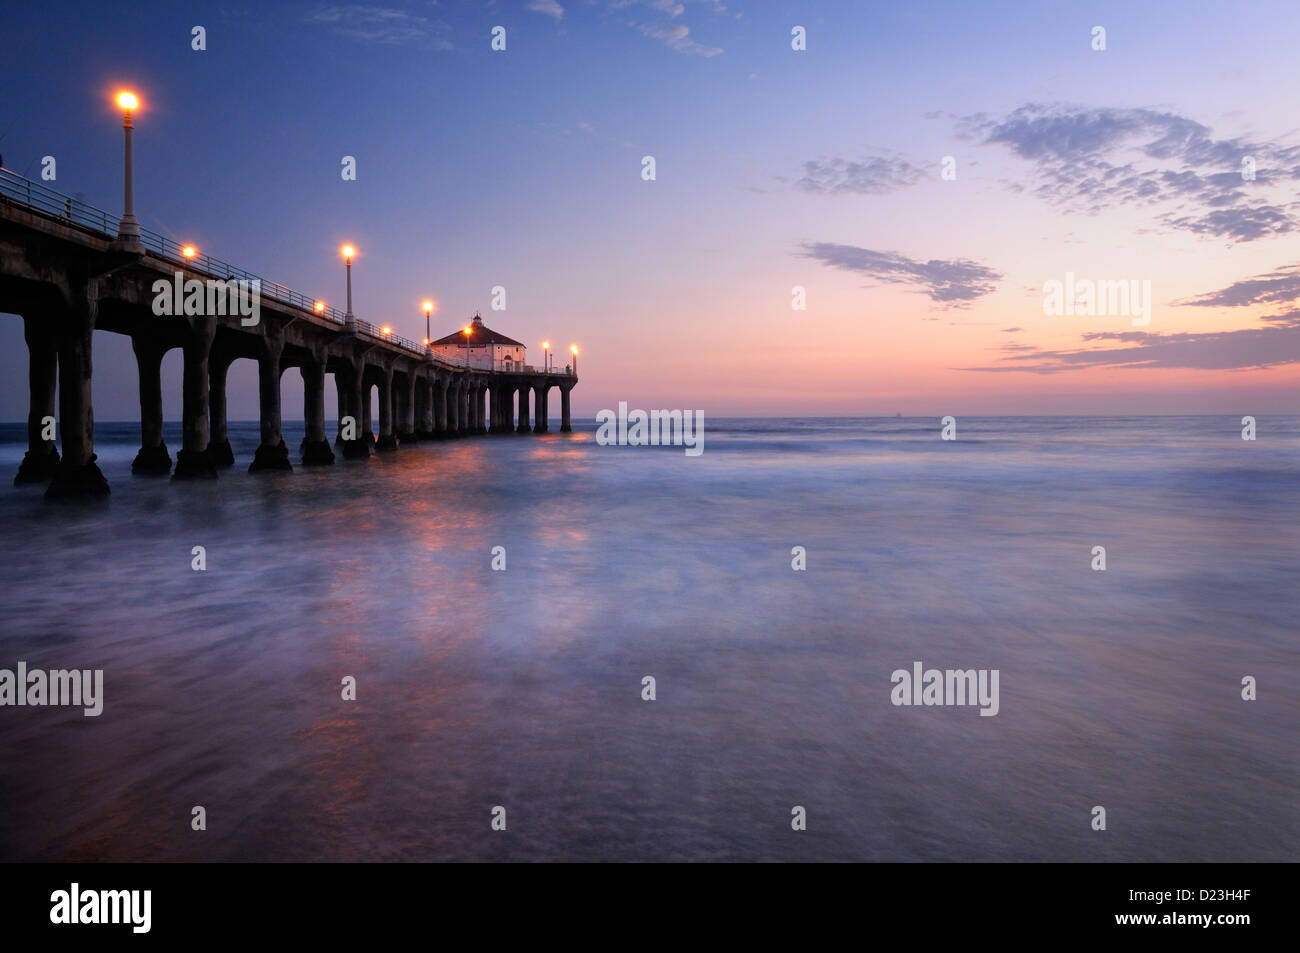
x=824, y=169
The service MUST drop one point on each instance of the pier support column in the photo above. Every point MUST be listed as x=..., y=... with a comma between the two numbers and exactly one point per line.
x=430, y=408
x=387, y=439
x=42, y=457
x=564, y=410
x=424, y=409
x=508, y=408
x=505, y=412
x=523, y=410
x=194, y=460
x=476, y=409
x=315, y=446
x=353, y=423
x=449, y=408
x=440, y=407
x=367, y=412
x=153, y=457
x=272, y=454
x=543, y=409
x=494, y=409
x=406, y=411
x=77, y=475
x=219, y=441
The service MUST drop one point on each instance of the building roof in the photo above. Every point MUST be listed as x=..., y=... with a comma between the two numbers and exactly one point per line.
x=482, y=336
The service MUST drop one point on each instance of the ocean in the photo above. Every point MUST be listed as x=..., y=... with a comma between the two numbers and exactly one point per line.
x=480, y=688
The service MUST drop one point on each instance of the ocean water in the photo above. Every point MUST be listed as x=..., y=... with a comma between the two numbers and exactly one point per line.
x=522, y=688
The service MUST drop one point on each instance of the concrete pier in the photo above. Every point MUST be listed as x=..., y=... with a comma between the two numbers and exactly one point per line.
x=68, y=280
x=387, y=438
x=540, y=391
x=315, y=446
x=524, y=426
x=42, y=456
x=76, y=474
x=440, y=407
x=271, y=453
x=218, y=440
x=193, y=460
x=153, y=458
x=565, y=427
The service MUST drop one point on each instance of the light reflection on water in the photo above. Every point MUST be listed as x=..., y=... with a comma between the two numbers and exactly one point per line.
x=522, y=688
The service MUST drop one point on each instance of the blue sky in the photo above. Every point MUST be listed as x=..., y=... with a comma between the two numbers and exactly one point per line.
x=775, y=168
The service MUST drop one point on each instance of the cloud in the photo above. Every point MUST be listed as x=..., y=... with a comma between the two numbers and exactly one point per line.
x=1211, y=350
x=1092, y=160
x=384, y=25
x=950, y=282
x=871, y=175
x=1276, y=343
x=549, y=7
x=1011, y=330
x=671, y=31
x=678, y=36
x=1280, y=286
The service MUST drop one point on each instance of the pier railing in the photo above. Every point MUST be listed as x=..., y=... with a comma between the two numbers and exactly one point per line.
x=35, y=195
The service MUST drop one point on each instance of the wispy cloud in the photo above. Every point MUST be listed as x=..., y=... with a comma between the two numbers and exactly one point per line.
x=384, y=25
x=1279, y=286
x=870, y=175
x=549, y=7
x=1274, y=344
x=671, y=31
x=1090, y=160
x=955, y=282
x=678, y=36
x=1209, y=350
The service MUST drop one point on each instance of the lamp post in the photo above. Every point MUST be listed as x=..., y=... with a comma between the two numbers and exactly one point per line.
x=128, y=229
x=573, y=349
x=546, y=357
x=348, y=252
x=468, y=332
x=428, y=336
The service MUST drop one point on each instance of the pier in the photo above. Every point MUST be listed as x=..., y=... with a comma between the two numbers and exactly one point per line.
x=69, y=269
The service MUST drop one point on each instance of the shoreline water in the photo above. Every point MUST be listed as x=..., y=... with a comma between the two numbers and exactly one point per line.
x=523, y=687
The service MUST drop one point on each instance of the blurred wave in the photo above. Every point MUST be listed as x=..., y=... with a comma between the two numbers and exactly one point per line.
x=522, y=688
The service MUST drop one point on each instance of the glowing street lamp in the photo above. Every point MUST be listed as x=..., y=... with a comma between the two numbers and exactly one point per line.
x=319, y=306
x=386, y=330
x=348, y=252
x=128, y=229
x=546, y=356
x=189, y=251
x=467, y=332
x=573, y=349
x=428, y=336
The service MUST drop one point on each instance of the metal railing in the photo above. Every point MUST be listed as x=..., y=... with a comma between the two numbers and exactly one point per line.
x=530, y=369
x=34, y=195
x=45, y=199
